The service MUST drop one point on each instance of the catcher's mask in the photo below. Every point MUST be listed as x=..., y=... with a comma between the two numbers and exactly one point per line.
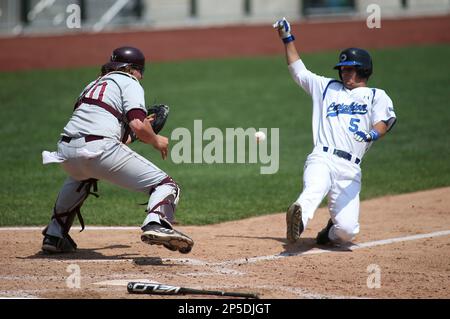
x=358, y=58
x=125, y=56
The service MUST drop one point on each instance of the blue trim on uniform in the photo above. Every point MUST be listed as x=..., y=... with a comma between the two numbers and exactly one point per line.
x=373, y=97
x=326, y=88
x=348, y=63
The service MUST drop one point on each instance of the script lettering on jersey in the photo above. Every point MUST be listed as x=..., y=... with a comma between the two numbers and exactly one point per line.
x=352, y=108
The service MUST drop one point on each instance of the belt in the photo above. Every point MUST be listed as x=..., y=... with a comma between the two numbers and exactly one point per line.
x=87, y=138
x=342, y=154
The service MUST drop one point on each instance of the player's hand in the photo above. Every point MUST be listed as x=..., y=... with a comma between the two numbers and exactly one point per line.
x=161, y=143
x=284, y=30
x=363, y=136
x=151, y=118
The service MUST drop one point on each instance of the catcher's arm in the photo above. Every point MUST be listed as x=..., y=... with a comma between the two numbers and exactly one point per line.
x=157, y=116
x=144, y=132
x=132, y=136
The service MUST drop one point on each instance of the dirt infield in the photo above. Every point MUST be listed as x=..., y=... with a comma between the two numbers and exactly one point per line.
x=22, y=53
x=406, y=237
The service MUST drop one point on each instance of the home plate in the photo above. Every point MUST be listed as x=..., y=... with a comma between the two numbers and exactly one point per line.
x=123, y=282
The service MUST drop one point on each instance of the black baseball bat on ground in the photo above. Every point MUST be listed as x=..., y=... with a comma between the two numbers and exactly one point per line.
x=158, y=289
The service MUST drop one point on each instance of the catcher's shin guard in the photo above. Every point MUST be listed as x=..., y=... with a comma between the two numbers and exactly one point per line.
x=163, y=201
x=294, y=223
x=56, y=234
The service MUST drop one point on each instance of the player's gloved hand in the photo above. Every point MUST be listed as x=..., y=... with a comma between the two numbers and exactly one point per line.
x=284, y=30
x=160, y=113
x=362, y=136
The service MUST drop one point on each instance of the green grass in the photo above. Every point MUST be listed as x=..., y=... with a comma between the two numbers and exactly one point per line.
x=250, y=92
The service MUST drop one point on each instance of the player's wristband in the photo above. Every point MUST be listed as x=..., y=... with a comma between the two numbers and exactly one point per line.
x=289, y=39
x=374, y=135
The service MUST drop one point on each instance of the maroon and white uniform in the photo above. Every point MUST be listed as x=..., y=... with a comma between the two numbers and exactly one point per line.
x=91, y=147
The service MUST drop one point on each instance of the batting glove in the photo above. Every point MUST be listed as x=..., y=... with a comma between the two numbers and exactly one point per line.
x=362, y=136
x=284, y=30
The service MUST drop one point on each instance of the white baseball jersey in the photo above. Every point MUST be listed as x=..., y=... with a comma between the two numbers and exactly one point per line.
x=339, y=112
x=107, y=159
x=119, y=90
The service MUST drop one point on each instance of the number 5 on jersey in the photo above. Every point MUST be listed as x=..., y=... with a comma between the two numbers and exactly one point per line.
x=354, y=125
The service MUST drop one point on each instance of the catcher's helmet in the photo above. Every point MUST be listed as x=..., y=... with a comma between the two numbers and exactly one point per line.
x=358, y=58
x=124, y=56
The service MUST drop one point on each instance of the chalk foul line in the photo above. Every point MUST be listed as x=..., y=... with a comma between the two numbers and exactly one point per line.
x=251, y=260
x=313, y=251
x=316, y=251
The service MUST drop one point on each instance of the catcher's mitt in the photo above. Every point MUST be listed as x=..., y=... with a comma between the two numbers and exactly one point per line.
x=161, y=112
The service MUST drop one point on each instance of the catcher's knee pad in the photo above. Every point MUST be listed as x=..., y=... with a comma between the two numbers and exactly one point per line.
x=164, y=198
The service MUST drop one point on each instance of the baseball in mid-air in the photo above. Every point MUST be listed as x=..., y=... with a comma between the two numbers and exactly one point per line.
x=260, y=136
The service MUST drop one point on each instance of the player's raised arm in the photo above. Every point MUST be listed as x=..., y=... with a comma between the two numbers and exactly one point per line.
x=312, y=83
x=284, y=31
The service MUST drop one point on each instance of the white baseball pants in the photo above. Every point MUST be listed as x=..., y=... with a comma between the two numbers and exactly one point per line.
x=108, y=159
x=326, y=174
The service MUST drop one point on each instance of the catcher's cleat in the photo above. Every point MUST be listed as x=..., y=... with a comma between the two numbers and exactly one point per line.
x=322, y=236
x=294, y=223
x=156, y=234
x=54, y=245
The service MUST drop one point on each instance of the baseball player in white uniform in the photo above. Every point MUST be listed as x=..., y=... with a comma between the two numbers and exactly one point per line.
x=347, y=118
x=92, y=147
